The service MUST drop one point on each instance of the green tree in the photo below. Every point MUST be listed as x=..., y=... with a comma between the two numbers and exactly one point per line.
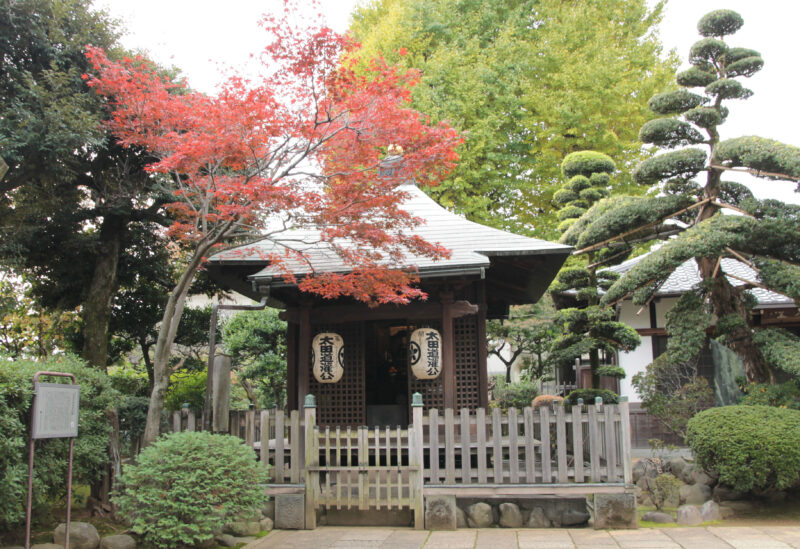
x=256, y=341
x=527, y=81
x=72, y=193
x=766, y=237
x=590, y=327
x=526, y=334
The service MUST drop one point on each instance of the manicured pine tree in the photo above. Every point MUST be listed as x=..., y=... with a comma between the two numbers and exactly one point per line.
x=590, y=328
x=690, y=199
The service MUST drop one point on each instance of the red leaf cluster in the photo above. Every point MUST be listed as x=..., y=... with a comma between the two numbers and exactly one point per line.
x=301, y=146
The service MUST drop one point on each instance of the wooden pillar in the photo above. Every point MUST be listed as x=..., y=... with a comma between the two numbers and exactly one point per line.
x=483, y=372
x=448, y=350
x=291, y=366
x=303, y=354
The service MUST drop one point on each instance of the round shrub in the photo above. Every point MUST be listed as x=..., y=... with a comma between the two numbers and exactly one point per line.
x=186, y=486
x=720, y=23
x=586, y=163
x=514, y=395
x=588, y=396
x=97, y=398
x=675, y=102
x=749, y=447
x=695, y=77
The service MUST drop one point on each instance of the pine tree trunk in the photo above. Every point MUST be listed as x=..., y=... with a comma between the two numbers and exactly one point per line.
x=97, y=305
x=726, y=301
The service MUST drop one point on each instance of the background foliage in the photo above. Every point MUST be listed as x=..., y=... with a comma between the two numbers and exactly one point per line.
x=97, y=397
x=527, y=81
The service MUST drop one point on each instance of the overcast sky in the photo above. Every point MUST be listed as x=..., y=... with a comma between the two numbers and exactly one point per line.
x=204, y=38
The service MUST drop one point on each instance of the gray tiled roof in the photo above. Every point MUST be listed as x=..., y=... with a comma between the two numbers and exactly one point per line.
x=687, y=276
x=471, y=244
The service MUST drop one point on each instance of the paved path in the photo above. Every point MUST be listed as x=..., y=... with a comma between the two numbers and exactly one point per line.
x=712, y=537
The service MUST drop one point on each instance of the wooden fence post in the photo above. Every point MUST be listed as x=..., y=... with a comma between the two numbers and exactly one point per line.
x=312, y=459
x=264, y=436
x=625, y=433
x=416, y=460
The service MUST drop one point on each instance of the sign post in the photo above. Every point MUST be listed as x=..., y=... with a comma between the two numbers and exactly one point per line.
x=54, y=415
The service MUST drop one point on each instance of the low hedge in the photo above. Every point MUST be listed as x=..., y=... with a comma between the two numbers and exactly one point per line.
x=97, y=397
x=751, y=448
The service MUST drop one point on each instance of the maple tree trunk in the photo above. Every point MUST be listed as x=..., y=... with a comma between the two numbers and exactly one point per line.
x=166, y=338
x=97, y=305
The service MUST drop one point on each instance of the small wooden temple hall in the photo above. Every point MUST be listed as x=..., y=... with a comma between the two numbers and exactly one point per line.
x=488, y=271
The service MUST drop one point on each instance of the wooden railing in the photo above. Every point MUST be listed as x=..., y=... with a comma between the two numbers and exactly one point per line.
x=542, y=446
x=548, y=445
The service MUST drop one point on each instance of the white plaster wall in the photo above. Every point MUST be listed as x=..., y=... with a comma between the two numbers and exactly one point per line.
x=634, y=362
x=627, y=314
x=662, y=307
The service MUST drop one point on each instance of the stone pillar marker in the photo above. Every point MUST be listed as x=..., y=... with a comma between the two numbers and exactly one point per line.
x=221, y=394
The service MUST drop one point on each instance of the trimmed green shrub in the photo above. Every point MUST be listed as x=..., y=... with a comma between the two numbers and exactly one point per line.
x=728, y=88
x=50, y=474
x=683, y=163
x=675, y=101
x=665, y=487
x=669, y=133
x=586, y=163
x=611, y=371
x=707, y=49
x=749, y=447
x=588, y=396
x=186, y=486
x=720, y=23
x=514, y=395
x=695, y=77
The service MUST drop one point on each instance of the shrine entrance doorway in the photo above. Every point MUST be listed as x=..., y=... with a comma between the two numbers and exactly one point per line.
x=386, y=373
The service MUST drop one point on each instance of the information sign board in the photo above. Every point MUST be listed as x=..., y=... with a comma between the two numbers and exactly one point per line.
x=55, y=410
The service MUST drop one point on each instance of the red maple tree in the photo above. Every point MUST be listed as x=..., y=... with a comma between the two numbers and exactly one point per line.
x=300, y=146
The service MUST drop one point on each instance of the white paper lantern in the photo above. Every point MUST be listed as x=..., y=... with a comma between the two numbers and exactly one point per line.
x=425, y=353
x=327, y=357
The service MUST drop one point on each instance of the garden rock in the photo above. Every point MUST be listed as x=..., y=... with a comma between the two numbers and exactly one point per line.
x=49, y=545
x=538, y=519
x=266, y=524
x=243, y=528
x=687, y=475
x=479, y=515
x=701, y=477
x=118, y=542
x=440, y=513
x=510, y=516
x=710, y=511
x=615, y=511
x=676, y=466
x=82, y=535
x=573, y=517
x=689, y=515
x=658, y=517
x=461, y=518
x=695, y=494
x=227, y=540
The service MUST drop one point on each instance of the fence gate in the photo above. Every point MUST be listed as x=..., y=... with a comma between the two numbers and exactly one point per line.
x=362, y=468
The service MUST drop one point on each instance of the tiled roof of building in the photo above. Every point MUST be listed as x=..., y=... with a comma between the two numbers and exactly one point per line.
x=687, y=276
x=471, y=244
